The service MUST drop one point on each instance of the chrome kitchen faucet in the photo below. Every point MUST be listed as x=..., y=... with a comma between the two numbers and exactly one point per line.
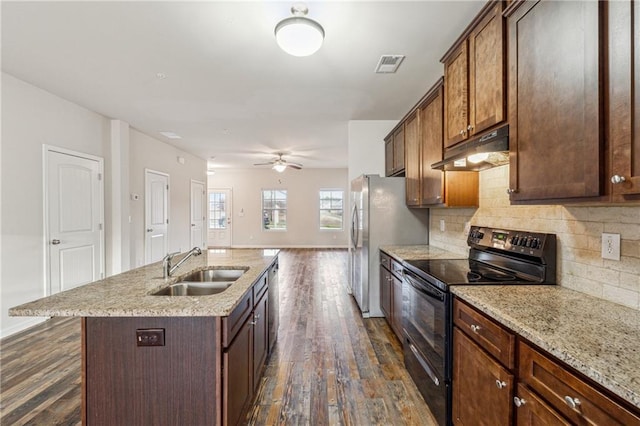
x=167, y=269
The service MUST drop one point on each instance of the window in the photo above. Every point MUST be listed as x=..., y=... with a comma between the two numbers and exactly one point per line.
x=274, y=209
x=217, y=210
x=331, y=209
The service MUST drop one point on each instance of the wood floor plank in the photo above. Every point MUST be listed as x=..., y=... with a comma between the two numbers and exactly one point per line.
x=329, y=366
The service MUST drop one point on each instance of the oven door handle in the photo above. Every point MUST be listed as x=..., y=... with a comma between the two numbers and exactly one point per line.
x=424, y=365
x=435, y=294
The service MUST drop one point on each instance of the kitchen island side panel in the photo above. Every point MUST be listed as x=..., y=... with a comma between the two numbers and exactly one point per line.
x=159, y=385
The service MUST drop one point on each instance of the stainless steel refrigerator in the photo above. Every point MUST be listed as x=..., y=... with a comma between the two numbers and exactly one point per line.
x=379, y=217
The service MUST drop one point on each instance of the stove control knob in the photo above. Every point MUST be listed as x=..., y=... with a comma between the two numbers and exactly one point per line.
x=528, y=243
x=515, y=240
x=535, y=243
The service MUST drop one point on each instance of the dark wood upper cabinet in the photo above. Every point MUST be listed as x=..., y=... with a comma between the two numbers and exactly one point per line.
x=412, y=160
x=388, y=155
x=555, y=100
x=451, y=189
x=624, y=100
x=394, y=151
x=474, y=70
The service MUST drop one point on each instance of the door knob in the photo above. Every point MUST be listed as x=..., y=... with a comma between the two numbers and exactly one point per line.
x=193, y=224
x=149, y=229
x=55, y=242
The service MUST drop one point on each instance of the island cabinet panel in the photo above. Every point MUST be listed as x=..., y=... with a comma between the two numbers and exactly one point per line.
x=237, y=376
x=556, y=132
x=274, y=305
x=260, y=338
x=232, y=324
x=127, y=384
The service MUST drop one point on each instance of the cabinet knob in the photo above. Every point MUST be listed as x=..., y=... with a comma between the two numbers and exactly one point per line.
x=571, y=402
x=462, y=132
x=469, y=127
x=475, y=328
x=501, y=384
x=615, y=179
x=518, y=401
x=511, y=191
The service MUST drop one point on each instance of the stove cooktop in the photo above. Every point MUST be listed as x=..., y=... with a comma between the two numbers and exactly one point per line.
x=464, y=272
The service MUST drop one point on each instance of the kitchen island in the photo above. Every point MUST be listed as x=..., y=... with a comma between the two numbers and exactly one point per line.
x=149, y=359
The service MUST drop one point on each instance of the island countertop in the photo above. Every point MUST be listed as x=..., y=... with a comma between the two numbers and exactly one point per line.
x=600, y=339
x=129, y=294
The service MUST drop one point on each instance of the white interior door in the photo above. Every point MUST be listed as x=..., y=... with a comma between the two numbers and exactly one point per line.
x=198, y=214
x=156, y=216
x=220, y=222
x=74, y=210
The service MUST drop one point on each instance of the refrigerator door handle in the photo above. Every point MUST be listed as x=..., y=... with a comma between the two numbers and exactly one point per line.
x=354, y=226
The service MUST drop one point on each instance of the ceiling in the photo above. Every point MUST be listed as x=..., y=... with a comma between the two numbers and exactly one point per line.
x=212, y=72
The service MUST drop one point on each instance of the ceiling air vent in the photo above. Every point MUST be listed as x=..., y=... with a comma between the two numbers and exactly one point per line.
x=389, y=64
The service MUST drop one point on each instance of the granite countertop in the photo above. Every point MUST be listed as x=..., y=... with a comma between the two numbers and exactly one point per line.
x=129, y=294
x=600, y=339
x=419, y=252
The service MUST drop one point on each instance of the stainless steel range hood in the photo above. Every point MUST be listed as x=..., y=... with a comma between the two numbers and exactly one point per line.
x=486, y=151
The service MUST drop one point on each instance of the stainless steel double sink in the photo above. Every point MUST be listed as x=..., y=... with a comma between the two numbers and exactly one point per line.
x=203, y=283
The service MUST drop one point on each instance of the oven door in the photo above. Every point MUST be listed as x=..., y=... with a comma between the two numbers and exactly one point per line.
x=424, y=321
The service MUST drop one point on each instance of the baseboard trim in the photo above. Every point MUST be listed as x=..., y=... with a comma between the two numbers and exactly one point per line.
x=28, y=323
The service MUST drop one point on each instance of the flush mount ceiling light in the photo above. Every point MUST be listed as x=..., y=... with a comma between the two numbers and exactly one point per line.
x=299, y=35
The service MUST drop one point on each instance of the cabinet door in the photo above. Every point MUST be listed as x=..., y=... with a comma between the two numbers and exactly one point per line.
x=238, y=376
x=412, y=161
x=388, y=156
x=533, y=411
x=431, y=125
x=260, y=339
x=624, y=98
x=487, y=95
x=456, y=94
x=273, y=313
x=555, y=102
x=398, y=150
x=396, y=310
x=482, y=389
x=386, y=281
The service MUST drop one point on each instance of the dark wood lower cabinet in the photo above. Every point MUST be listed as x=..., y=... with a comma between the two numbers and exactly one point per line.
x=238, y=375
x=260, y=339
x=482, y=388
x=533, y=411
x=386, y=283
x=396, y=311
x=127, y=384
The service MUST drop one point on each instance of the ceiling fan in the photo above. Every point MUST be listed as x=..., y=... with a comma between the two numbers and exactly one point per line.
x=279, y=164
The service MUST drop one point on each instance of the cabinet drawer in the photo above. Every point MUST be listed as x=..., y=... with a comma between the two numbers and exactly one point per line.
x=385, y=260
x=233, y=323
x=260, y=287
x=491, y=336
x=531, y=410
x=573, y=397
x=396, y=269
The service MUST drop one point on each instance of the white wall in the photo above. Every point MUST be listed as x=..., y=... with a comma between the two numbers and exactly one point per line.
x=147, y=152
x=31, y=118
x=366, y=146
x=302, y=206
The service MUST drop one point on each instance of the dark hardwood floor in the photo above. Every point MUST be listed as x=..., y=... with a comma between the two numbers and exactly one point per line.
x=329, y=367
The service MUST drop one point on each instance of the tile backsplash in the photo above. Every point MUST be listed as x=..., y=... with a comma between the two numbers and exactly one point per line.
x=578, y=228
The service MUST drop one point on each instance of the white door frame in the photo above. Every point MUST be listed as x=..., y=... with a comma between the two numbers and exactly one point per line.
x=204, y=213
x=45, y=199
x=146, y=206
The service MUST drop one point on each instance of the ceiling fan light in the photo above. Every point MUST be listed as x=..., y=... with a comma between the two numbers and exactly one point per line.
x=279, y=167
x=299, y=35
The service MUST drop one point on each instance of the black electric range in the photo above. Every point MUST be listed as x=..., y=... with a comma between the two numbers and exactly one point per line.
x=496, y=257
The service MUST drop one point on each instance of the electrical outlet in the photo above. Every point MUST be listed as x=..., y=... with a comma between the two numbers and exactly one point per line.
x=150, y=337
x=442, y=227
x=611, y=246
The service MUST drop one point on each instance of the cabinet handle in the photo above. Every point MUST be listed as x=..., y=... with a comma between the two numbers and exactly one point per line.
x=572, y=402
x=511, y=191
x=469, y=127
x=518, y=401
x=500, y=384
x=617, y=179
x=475, y=328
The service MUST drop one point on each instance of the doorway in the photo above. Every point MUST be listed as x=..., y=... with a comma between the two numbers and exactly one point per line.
x=220, y=223
x=74, y=214
x=156, y=242
x=198, y=214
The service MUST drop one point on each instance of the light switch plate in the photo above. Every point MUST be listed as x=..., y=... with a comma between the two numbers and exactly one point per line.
x=442, y=227
x=611, y=246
